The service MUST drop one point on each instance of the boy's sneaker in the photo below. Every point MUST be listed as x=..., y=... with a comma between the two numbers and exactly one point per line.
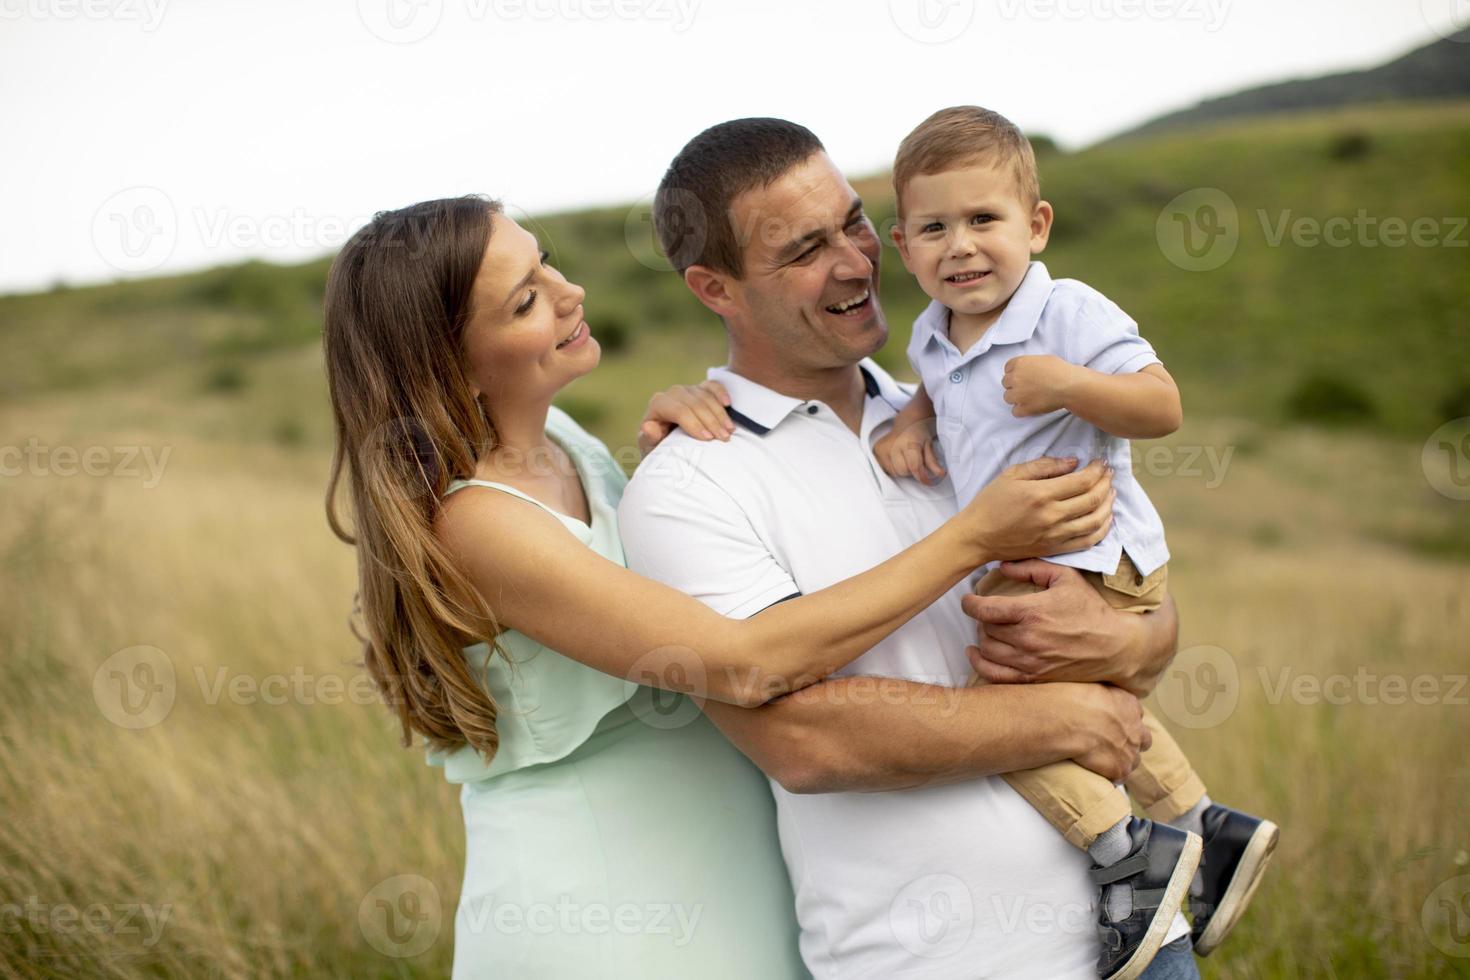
x=1158, y=869
x=1237, y=849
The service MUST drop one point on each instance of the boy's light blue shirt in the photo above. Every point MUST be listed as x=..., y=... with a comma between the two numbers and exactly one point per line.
x=980, y=437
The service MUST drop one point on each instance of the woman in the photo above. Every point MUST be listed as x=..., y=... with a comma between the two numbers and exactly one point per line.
x=607, y=835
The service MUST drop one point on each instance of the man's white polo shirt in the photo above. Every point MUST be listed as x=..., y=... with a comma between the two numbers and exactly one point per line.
x=957, y=881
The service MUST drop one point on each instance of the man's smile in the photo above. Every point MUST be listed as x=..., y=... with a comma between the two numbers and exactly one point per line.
x=854, y=306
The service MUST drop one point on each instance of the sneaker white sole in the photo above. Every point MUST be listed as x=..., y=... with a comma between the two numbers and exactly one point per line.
x=1242, y=888
x=1174, y=894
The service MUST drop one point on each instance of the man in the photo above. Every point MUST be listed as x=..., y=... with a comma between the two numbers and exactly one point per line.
x=906, y=856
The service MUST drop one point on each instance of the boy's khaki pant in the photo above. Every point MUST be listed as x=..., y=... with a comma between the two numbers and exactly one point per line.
x=1077, y=801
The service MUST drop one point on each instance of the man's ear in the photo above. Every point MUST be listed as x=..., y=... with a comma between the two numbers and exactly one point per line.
x=901, y=242
x=1040, y=226
x=712, y=288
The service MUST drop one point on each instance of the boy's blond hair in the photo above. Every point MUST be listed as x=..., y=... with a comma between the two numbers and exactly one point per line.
x=964, y=134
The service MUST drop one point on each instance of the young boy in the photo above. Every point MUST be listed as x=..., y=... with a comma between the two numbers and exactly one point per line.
x=1017, y=365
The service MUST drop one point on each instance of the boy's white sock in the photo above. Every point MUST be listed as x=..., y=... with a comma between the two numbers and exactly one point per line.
x=1193, y=819
x=1110, y=847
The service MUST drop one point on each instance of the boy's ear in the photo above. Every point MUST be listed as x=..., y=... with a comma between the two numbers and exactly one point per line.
x=901, y=243
x=1041, y=219
x=712, y=288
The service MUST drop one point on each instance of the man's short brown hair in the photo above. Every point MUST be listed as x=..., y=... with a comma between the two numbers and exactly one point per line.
x=965, y=134
x=691, y=209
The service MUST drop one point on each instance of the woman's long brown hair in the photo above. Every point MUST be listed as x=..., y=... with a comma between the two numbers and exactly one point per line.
x=407, y=420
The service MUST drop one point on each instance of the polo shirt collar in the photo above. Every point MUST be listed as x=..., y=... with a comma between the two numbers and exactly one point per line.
x=1017, y=321
x=759, y=409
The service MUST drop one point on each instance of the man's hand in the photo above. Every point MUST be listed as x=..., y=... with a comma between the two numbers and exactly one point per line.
x=697, y=409
x=1067, y=633
x=1037, y=383
x=1110, y=720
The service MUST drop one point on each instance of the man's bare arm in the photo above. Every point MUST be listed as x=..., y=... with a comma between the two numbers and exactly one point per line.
x=874, y=734
x=863, y=733
x=1069, y=633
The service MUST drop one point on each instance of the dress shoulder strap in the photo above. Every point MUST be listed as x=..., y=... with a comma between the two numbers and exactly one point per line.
x=456, y=485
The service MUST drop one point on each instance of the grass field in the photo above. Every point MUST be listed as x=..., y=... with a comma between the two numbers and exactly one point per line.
x=1324, y=586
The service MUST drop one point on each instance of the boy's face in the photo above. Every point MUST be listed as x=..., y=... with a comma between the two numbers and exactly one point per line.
x=968, y=236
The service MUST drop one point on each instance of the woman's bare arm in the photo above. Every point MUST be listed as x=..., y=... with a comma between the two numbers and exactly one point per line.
x=545, y=583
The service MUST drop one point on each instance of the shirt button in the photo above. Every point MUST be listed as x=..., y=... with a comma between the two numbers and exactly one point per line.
x=956, y=377
x=811, y=410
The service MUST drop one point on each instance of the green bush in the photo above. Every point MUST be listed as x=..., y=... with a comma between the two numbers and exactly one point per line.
x=1084, y=211
x=226, y=379
x=1327, y=399
x=586, y=411
x=612, y=333
x=259, y=287
x=1267, y=534
x=1351, y=145
x=1456, y=402
x=288, y=432
x=1043, y=146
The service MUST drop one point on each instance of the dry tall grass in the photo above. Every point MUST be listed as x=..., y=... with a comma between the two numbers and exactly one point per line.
x=256, y=820
x=259, y=828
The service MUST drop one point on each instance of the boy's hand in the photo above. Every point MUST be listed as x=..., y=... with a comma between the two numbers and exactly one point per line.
x=697, y=409
x=1037, y=383
x=909, y=451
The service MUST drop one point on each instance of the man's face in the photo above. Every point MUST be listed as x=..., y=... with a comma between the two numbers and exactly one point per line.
x=810, y=287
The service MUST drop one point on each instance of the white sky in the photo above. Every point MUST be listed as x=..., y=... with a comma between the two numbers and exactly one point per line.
x=149, y=136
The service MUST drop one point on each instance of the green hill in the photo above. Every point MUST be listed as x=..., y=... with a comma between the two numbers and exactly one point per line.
x=1436, y=71
x=1369, y=334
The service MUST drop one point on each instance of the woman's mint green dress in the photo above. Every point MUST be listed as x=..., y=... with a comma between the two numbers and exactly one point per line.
x=616, y=833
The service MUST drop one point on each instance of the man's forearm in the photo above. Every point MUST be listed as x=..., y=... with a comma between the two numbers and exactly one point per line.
x=871, y=734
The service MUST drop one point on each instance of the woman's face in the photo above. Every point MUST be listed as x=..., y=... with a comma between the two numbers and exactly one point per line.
x=527, y=337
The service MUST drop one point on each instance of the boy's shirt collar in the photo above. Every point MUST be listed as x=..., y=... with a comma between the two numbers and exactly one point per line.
x=1017, y=322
